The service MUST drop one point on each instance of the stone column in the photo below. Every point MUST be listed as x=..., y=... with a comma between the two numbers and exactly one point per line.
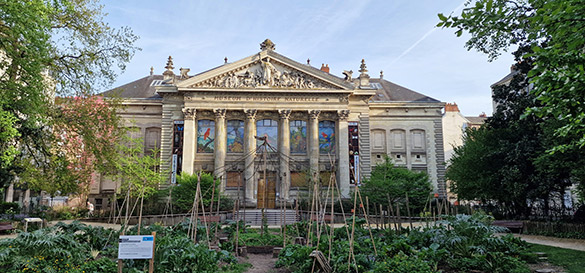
x=9, y=193
x=343, y=148
x=189, y=139
x=220, y=146
x=249, y=151
x=26, y=203
x=314, y=143
x=284, y=147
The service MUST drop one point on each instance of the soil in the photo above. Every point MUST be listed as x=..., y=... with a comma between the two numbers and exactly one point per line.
x=261, y=263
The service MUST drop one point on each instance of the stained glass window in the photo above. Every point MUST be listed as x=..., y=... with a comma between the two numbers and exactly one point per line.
x=326, y=137
x=267, y=128
x=298, y=136
x=235, y=136
x=205, y=136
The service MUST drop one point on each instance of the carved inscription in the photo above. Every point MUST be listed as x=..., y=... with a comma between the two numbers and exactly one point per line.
x=266, y=98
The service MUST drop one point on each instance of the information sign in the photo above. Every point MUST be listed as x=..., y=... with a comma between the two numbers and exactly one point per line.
x=136, y=247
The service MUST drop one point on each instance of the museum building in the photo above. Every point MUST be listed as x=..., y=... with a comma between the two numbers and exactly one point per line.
x=267, y=126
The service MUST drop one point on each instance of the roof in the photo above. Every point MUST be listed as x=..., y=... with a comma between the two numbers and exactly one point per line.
x=142, y=88
x=476, y=120
x=505, y=80
x=390, y=92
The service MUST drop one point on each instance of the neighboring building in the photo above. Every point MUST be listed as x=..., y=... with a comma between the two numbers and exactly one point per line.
x=314, y=124
x=454, y=126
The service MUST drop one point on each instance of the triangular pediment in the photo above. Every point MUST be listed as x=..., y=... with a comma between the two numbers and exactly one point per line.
x=268, y=70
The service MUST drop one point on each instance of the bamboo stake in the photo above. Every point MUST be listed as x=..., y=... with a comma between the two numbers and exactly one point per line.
x=352, y=229
x=398, y=217
x=367, y=222
x=408, y=212
x=382, y=217
x=237, y=228
x=394, y=220
x=141, y=205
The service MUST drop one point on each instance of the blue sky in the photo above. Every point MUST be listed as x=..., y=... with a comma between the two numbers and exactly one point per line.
x=396, y=36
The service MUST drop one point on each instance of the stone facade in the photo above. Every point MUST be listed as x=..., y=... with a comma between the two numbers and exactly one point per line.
x=265, y=125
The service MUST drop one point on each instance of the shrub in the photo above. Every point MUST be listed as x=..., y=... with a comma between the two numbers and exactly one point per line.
x=402, y=263
x=184, y=192
x=296, y=258
x=9, y=208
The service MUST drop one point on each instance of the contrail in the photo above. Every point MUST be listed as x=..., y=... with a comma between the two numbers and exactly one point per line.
x=423, y=37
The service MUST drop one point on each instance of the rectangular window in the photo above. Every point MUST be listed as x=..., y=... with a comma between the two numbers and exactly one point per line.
x=205, y=136
x=354, y=151
x=298, y=136
x=326, y=137
x=234, y=179
x=418, y=139
x=298, y=179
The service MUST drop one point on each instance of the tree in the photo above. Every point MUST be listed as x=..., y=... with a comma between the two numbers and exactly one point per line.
x=138, y=173
x=505, y=161
x=50, y=48
x=553, y=30
x=388, y=180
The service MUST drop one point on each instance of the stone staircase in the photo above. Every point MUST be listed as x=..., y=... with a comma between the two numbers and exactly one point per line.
x=253, y=217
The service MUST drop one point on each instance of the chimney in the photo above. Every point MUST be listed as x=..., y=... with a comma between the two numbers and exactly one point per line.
x=482, y=115
x=451, y=107
x=325, y=68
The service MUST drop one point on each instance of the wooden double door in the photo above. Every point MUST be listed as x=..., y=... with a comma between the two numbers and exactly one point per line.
x=266, y=195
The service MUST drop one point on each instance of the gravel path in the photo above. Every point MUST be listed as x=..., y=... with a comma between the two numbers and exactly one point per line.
x=262, y=263
x=574, y=244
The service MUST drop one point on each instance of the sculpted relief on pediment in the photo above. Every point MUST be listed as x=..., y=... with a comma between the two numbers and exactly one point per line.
x=264, y=73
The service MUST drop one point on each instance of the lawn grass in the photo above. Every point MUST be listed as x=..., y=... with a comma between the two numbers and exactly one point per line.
x=571, y=260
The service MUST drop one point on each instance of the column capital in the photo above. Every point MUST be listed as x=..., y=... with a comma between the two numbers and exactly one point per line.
x=189, y=113
x=342, y=115
x=219, y=113
x=284, y=114
x=314, y=114
x=250, y=113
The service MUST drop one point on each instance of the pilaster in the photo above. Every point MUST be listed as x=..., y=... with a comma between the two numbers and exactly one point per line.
x=189, y=138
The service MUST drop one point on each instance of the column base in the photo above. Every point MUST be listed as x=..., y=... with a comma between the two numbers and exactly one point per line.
x=251, y=203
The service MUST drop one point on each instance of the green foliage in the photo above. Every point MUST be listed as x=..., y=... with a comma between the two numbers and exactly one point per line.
x=257, y=239
x=53, y=48
x=8, y=208
x=137, y=170
x=459, y=244
x=98, y=266
x=506, y=160
x=184, y=192
x=551, y=30
x=295, y=258
x=401, y=263
x=572, y=260
x=395, y=182
x=78, y=248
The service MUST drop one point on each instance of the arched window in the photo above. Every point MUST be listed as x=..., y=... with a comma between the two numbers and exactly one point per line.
x=267, y=128
x=235, y=136
x=298, y=136
x=326, y=137
x=205, y=136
